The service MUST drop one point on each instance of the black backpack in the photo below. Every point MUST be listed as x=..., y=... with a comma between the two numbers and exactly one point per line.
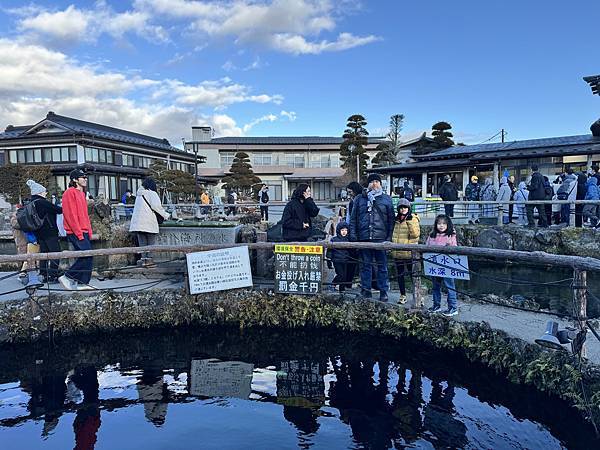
x=548, y=191
x=28, y=218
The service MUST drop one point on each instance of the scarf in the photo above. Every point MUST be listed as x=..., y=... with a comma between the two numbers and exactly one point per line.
x=371, y=195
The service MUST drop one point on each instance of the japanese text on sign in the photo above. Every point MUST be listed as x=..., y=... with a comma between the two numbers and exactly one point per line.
x=219, y=270
x=446, y=266
x=298, y=269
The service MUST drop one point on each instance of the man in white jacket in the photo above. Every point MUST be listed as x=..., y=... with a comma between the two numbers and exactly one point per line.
x=144, y=220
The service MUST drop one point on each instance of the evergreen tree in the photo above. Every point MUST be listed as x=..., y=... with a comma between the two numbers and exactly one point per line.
x=396, y=123
x=385, y=155
x=13, y=179
x=441, y=135
x=241, y=176
x=354, y=147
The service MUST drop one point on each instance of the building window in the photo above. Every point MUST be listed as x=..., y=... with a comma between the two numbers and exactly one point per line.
x=127, y=160
x=12, y=157
x=320, y=160
x=99, y=155
x=294, y=160
x=227, y=159
x=262, y=159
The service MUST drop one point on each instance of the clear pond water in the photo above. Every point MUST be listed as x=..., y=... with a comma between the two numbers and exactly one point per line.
x=267, y=390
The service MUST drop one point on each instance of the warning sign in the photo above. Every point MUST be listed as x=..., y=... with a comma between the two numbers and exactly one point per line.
x=298, y=269
x=219, y=270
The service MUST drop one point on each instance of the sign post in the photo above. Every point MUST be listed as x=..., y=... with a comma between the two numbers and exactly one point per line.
x=298, y=269
x=446, y=266
x=219, y=270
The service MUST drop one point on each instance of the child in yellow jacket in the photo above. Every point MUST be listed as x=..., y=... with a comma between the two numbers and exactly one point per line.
x=407, y=229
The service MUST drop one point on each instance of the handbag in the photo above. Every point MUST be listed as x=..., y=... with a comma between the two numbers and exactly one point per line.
x=159, y=217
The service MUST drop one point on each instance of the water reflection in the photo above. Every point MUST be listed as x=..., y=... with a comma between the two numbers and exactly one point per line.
x=363, y=393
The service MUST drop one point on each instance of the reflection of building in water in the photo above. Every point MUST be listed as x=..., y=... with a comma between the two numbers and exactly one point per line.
x=153, y=392
x=301, y=391
x=214, y=378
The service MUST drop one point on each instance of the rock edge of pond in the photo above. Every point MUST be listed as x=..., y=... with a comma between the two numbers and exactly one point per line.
x=521, y=362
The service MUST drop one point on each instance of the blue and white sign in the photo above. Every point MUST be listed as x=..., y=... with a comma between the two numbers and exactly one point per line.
x=446, y=266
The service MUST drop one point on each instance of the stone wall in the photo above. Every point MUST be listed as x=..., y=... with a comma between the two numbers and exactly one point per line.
x=563, y=241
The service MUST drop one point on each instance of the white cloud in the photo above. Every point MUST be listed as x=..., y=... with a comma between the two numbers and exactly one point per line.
x=299, y=45
x=266, y=118
x=291, y=115
x=34, y=80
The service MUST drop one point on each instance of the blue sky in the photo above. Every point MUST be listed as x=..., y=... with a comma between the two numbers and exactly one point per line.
x=301, y=67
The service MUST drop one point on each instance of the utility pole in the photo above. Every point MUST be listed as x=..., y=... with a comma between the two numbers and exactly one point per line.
x=358, y=168
x=195, y=150
x=503, y=133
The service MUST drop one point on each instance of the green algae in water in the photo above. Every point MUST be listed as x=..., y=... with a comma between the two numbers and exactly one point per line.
x=222, y=388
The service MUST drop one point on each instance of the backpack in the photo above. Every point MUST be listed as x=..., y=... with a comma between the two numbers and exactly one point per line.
x=28, y=218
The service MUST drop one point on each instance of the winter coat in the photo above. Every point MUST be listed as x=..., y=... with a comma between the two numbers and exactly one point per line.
x=375, y=225
x=488, y=193
x=504, y=194
x=143, y=218
x=342, y=256
x=449, y=192
x=592, y=192
x=442, y=239
x=521, y=195
x=47, y=212
x=204, y=198
x=264, y=197
x=406, y=231
x=295, y=214
x=536, y=187
x=472, y=191
x=76, y=219
x=568, y=189
x=581, y=186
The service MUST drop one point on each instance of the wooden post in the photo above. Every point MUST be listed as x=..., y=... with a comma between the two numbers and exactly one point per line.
x=417, y=301
x=500, y=213
x=572, y=214
x=580, y=301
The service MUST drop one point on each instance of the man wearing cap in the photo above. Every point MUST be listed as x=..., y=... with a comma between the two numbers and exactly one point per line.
x=472, y=194
x=79, y=231
x=372, y=220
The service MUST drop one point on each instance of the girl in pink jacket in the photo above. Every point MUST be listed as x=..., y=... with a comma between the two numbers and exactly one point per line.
x=443, y=234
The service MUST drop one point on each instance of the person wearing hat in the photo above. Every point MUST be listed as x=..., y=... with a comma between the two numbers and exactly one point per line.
x=79, y=231
x=47, y=234
x=407, y=230
x=449, y=193
x=472, y=194
x=372, y=220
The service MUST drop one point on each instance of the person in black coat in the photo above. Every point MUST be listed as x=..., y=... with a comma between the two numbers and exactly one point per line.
x=536, y=192
x=47, y=235
x=581, y=190
x=343, y=260
x=296, y=223
x=449, y=193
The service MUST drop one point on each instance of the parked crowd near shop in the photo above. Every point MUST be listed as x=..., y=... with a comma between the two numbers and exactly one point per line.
x=565, y=186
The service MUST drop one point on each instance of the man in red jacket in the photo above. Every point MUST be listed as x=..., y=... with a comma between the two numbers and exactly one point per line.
x=79, y=231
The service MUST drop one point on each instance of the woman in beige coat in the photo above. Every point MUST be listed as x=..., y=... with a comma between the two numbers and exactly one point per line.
x=144, y=220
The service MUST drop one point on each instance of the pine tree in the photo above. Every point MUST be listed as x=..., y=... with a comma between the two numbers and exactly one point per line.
x=13, y=179
x=241, y=176
x=354, y=147
x=387, y=152
x=396, y=123
x=441, y=135
x=385, y=155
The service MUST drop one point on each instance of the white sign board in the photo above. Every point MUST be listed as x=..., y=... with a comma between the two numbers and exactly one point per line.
x=446, y=266
x=219, y=270
x=214, y=378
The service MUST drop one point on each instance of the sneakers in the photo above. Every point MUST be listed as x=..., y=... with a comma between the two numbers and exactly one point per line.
x=383, y=297
x=366, y=293
x=67, y=283
x=86, y=287
x=451, y=312
x=434, y=309
x=402, y=299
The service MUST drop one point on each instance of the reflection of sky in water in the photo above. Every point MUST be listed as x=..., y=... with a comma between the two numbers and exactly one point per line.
x=13, y=400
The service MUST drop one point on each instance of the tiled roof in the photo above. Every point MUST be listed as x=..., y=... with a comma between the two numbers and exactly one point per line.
x=286, y=140
x=96, y=130
x=460, y=150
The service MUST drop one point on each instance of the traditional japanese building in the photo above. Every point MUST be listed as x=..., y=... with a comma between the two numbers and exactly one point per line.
x=119, y=159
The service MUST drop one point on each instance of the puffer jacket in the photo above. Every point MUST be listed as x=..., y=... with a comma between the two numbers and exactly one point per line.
x=504, y=193
x=375, y=225
x=536, y=187
x=591, y=192
x=143, y=218
x=406, y=231
x=342, y=256
x=295, y=214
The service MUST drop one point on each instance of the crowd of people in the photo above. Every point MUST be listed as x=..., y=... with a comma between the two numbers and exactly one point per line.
x=39, y=221
x=568, y=186
x=370, y=217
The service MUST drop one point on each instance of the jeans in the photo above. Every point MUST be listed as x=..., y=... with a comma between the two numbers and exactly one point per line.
x=81, y=270
x=49, y=269
x=403, y=268
x=144, y=240
x=367, y=267
x=437, y=292
x=565, y=213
